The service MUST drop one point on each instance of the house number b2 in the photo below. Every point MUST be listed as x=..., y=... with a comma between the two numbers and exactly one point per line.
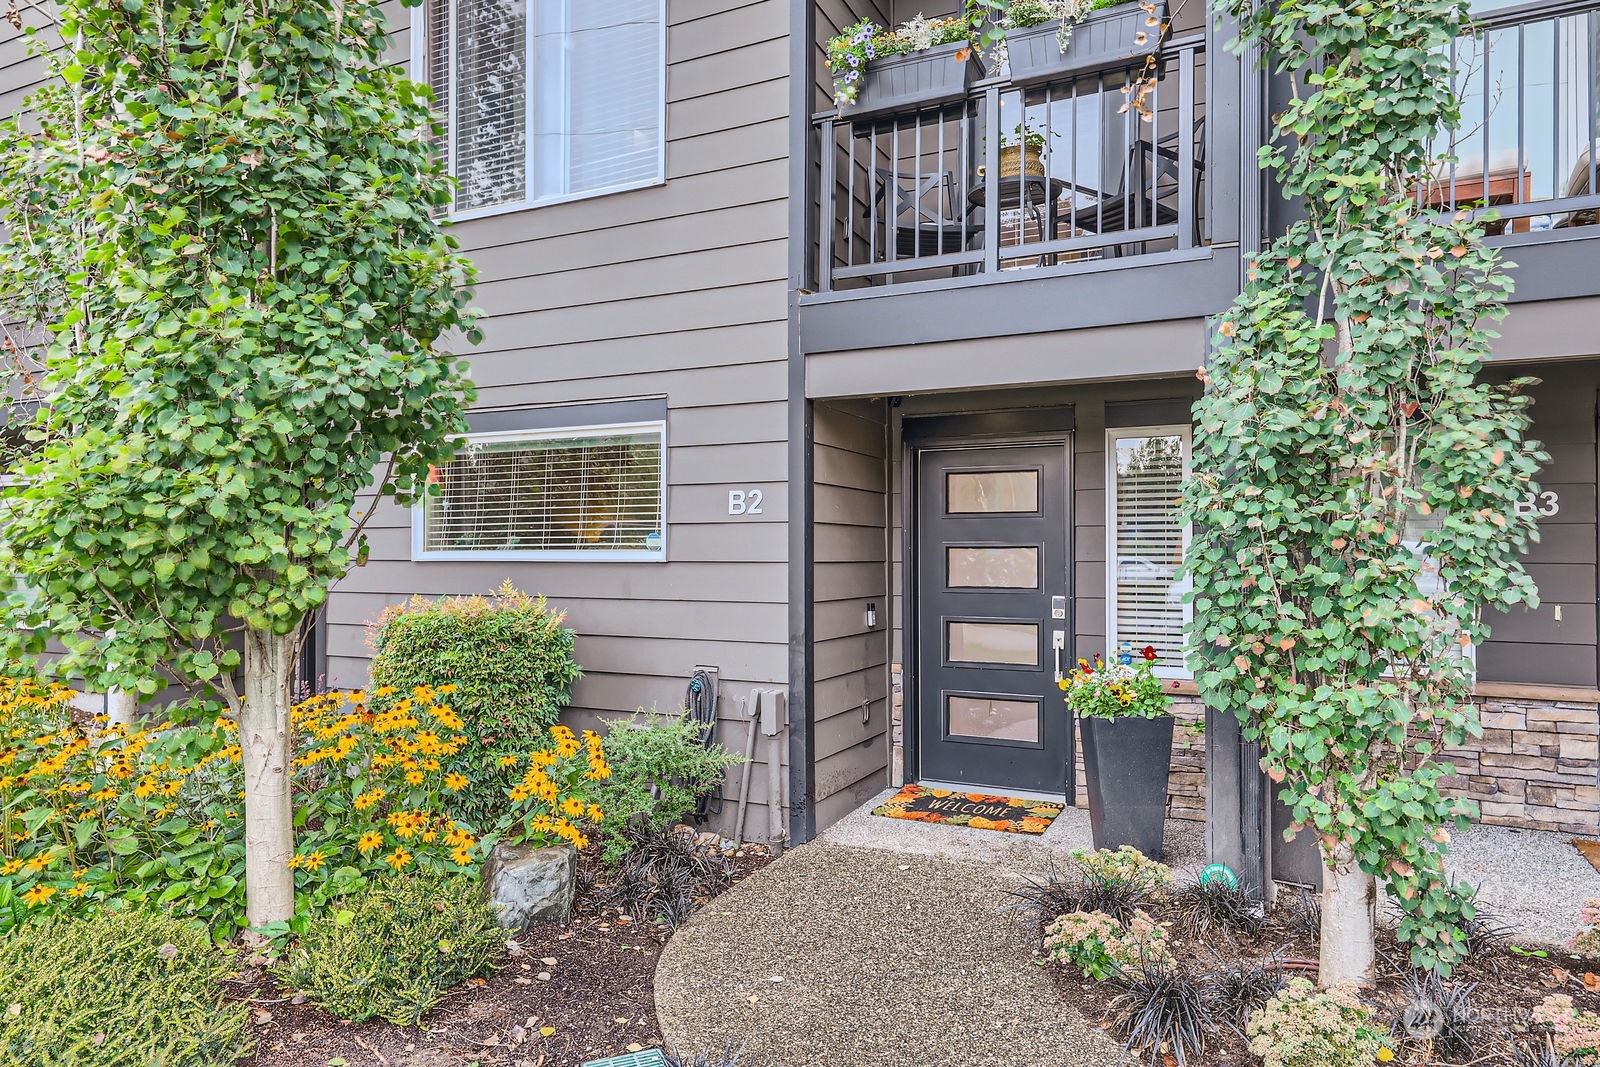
x=744, y=501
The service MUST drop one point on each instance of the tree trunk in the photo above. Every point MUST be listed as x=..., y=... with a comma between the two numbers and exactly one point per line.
x=120, y=707
x=268, y=811
x=1349, y=917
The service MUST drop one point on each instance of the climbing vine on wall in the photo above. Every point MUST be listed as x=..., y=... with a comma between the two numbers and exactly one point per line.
x=1355, y=481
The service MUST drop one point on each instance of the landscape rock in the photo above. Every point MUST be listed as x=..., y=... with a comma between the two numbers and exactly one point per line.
x=529, y=885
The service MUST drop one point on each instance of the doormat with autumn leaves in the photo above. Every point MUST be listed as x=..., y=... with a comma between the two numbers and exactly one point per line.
x=978, y=810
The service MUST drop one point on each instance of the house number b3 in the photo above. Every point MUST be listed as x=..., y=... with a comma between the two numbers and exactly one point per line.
x=1543, y=504
x=744, y=501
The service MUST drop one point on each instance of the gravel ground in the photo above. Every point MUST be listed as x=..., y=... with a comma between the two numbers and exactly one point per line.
x=1013, y=852
x=863, y=956
x=1531, y=879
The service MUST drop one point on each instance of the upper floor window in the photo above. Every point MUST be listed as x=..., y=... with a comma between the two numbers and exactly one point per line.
x=1145, y=541
x=546, y=100
x=593, y=492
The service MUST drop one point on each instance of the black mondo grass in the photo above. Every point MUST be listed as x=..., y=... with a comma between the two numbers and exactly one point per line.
x=1485, y=936
x=1162, y=1008
x=728, y=1057
x=1239, y=989
x=1204, y=908
x=1441, y=1016
x=1541, y=1053
x=1301, y=916
x=1041, y=901
x=664, y=876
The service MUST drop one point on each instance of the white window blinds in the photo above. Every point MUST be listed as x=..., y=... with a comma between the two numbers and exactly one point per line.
x=1146, y=540
x=574, y=495
x=546, y=99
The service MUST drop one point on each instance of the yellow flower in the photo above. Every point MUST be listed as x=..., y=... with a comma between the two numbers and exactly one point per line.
x=370, y=841
x=455, y=782
x=79, y=890
x=573, y=806
x=398, y=859
x=368, y=799
x=38, y=894
x=413, y=778
x=1385, y=1055
x=313, y=861
x=11, y=867
x=462, y=855
x=41, y=861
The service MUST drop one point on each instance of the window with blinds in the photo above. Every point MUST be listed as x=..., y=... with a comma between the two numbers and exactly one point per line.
x=560, y=495
x=1145, y=541
x=546, y=100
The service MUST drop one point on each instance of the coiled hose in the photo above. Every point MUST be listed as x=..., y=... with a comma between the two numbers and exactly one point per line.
x=701, y=701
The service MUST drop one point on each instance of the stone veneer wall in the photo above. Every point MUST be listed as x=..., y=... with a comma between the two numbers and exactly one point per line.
x=1537, y=765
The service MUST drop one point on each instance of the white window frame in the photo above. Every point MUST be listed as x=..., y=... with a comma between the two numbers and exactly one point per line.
x=420, y=554
x=419, y=73
x=1113, y=434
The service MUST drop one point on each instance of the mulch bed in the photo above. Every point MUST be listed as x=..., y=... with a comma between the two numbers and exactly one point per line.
x=1508, y=986
x=568, y=993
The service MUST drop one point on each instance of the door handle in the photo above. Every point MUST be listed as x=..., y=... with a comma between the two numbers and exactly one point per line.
x=1058, y=642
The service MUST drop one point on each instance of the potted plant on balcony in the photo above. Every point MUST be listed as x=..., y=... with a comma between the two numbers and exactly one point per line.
x=920, y=63
x=1048, y=39
x=1127, y=748
x=1022, y=152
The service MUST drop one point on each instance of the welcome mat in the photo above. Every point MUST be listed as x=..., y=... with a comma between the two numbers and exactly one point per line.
x=1590, y=850
x=978, y=810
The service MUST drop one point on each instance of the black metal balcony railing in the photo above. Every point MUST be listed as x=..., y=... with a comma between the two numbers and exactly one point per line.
x=933, y=193
x=1528, y=139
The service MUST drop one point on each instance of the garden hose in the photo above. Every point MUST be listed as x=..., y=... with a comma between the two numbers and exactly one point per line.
x=701, y=701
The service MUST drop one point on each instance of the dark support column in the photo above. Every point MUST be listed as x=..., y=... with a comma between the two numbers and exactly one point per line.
x=1236, y=822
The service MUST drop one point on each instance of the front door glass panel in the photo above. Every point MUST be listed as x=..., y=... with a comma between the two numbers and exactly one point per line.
x=969, y=567
x=993, y=642
x=993, y=719
x=992, y=492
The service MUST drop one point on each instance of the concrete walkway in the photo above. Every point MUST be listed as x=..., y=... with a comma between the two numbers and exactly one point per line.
x=868, y=957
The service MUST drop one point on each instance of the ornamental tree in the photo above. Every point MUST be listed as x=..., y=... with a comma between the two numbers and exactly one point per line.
x=1355, y=489
x=221, y=232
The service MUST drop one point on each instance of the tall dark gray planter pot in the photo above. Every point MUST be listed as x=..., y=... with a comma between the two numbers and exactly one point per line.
x=1104, y=40
x=920, y=79
x=1126, y=763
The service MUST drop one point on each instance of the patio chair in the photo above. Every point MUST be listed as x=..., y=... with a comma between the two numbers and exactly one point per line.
x=1581, y=182
x=1147, y=189
x=929, y=217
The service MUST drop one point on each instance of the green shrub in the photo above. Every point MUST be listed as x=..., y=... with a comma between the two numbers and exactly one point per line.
x=1305, y=1027
x=510, y=660
x=658, y=767
x=117, y=989
x=1101, y=947
x=394, y=950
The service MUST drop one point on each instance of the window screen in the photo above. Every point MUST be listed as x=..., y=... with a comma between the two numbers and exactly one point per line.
x=546, y=99
x=576, y=494
x=1147, y=539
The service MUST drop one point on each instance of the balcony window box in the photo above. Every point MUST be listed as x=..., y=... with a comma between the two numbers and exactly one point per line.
x=1105, y=39
x=922, y=63
x=921, y=79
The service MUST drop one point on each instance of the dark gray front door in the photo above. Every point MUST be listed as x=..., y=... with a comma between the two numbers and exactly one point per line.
x=992, y=563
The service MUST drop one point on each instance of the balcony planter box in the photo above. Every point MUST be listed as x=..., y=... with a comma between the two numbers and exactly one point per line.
x=1104, y=40
x=923, y=79
x=1126, y=763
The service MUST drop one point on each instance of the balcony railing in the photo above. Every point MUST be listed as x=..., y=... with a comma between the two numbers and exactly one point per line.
x=1527, y=143
x=952, y=191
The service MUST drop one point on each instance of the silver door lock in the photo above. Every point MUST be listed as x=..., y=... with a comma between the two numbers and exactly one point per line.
x=1058, y=607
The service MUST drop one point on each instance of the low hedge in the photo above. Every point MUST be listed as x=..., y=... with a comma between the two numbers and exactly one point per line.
x=117, y=989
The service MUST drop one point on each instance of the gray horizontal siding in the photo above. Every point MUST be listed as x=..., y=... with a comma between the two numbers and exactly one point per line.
x=850, y=662
x=673, y=291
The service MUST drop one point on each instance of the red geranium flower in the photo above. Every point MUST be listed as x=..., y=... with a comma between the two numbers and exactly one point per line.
x=1149, y=652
